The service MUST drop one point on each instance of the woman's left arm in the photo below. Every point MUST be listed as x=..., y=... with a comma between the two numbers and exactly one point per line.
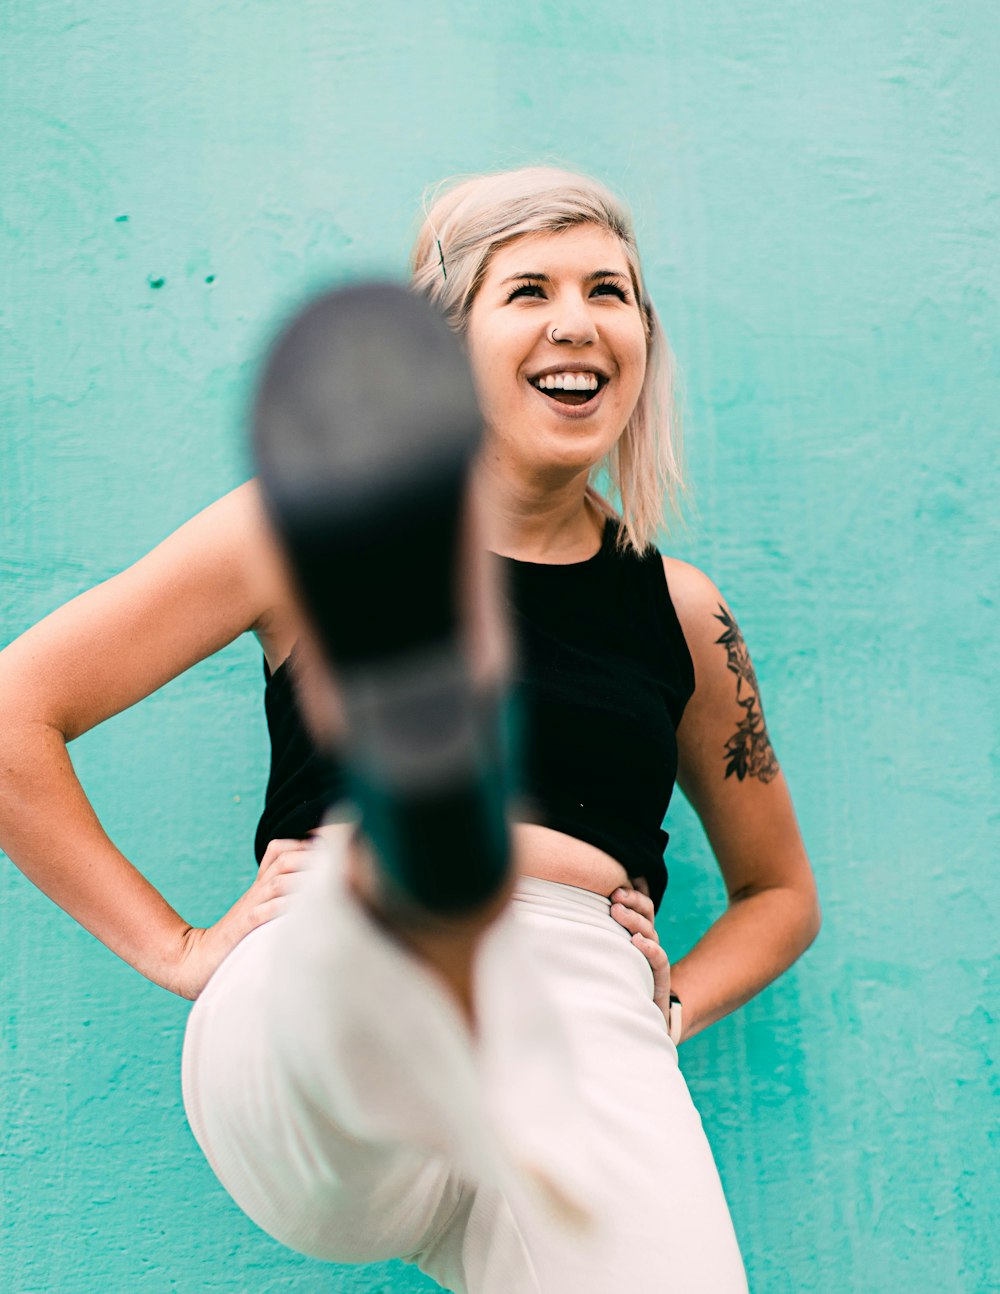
x=730, y=774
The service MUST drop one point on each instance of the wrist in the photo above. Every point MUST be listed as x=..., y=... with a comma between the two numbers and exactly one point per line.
x=171, y=967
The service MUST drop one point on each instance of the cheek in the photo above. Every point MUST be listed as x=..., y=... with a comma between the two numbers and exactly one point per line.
x=494, y=357
x=637, y=364
x=482, y=370
x=492, y=388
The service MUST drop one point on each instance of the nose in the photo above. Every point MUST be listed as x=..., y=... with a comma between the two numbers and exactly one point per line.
x=572, y=324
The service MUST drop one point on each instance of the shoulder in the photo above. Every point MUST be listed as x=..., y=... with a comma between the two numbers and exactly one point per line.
x=236, y=530
x=726, y=711
x=228, y=545
x=689, y=587
x=236, y=521
x=713, y=636
x=216, y=576
x=233, y=526
x=700, y=606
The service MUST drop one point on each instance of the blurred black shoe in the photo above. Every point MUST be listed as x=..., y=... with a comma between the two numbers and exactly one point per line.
x=365, y=427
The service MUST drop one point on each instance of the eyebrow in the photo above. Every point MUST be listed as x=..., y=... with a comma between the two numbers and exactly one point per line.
x=544, y=278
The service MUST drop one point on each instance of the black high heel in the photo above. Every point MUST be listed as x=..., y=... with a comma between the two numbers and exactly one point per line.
x=365, y=426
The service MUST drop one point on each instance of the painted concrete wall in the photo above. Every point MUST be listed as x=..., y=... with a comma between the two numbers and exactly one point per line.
x=816, y=195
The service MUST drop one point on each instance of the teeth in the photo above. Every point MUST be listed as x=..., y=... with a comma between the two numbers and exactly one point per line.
x=567, y=382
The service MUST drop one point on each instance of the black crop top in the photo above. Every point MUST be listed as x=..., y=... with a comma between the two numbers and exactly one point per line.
x=602, y=679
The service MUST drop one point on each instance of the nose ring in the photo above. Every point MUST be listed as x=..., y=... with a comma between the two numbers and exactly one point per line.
x=552, y=335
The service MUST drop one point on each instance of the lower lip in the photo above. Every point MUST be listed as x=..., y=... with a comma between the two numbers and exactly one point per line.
x=573, y=412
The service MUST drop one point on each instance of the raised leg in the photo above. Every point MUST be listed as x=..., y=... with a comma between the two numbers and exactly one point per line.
x=366, y=425
x=334, y=1089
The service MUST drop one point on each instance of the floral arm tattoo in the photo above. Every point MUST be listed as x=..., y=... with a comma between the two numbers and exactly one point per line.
x=749, y=752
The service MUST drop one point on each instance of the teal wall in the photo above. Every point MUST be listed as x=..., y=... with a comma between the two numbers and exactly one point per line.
x=815, y=193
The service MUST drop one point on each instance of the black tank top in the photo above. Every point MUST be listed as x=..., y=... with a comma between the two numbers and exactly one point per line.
x=602, y=679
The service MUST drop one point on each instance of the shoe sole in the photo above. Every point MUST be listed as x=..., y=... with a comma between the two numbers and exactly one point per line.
x=364, y=429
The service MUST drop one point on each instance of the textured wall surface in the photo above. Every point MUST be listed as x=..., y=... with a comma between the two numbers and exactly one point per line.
x=816, y=199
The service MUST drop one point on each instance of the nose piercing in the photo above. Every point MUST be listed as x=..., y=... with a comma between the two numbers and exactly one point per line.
x=552, y=335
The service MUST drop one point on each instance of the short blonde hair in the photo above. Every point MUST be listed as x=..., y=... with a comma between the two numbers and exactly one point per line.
x=467, y=220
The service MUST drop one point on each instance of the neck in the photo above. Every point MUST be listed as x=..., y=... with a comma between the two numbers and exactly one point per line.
x=535, y=518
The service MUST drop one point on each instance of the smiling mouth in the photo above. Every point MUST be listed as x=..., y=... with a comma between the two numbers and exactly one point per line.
x=570, y=388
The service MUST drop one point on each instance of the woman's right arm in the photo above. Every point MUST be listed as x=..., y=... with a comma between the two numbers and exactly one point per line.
x=210, y=581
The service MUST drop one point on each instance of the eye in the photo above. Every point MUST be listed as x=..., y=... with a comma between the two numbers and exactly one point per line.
x=610, y=287
x=525, y=289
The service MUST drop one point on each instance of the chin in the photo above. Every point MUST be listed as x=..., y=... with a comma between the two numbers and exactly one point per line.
x=544, y=443
x=573, y=443
x=567, y=458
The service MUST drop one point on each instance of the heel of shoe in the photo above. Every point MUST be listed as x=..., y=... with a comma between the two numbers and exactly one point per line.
x=442, y=836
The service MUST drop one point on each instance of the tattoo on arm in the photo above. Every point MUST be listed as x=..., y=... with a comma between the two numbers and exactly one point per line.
x=749, y=752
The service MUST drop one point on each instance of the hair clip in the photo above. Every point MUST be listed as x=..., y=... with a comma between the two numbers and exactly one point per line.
x=441, y=258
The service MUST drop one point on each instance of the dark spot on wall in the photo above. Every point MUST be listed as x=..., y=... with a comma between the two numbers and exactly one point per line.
x=120, y=220
x=155, y=283
x=209, y=278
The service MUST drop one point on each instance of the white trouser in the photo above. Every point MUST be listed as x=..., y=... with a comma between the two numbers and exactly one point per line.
x=335, y=1090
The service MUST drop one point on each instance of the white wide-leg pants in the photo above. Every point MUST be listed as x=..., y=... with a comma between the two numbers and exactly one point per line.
x=336, y=1092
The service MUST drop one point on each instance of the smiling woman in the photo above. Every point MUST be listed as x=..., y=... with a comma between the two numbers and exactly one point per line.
x=484, y=228
x=444, y=1028
x=559, y=351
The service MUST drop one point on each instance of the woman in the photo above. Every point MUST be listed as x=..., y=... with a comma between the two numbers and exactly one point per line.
x=494, y=1094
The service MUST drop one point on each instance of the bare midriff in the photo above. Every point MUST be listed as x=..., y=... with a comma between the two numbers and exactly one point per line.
x=553, y=856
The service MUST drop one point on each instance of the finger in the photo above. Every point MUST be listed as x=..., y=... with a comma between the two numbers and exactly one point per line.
x=273, y=898
x=655, y=952
x=294, y=860
x=265, y=889
x=275, y=907
x=659, y=964
x=634, y=921
x=634, y=899
x=274, y=849
x=278, y=884
x=279, y=850
x=278, y=845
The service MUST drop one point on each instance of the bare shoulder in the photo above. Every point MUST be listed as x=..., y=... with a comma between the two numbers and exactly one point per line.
x=226, y=550
x=691, y=589
x=726, y=712
x=236, y=530
x=698, y=602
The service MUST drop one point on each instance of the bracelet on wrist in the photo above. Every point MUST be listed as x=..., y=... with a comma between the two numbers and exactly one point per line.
x=675, y=1019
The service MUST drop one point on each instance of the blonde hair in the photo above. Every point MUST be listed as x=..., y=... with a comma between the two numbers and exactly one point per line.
x=467, y=220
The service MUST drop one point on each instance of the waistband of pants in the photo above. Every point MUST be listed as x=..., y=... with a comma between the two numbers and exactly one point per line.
x=531, y=893
x=567, y=902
